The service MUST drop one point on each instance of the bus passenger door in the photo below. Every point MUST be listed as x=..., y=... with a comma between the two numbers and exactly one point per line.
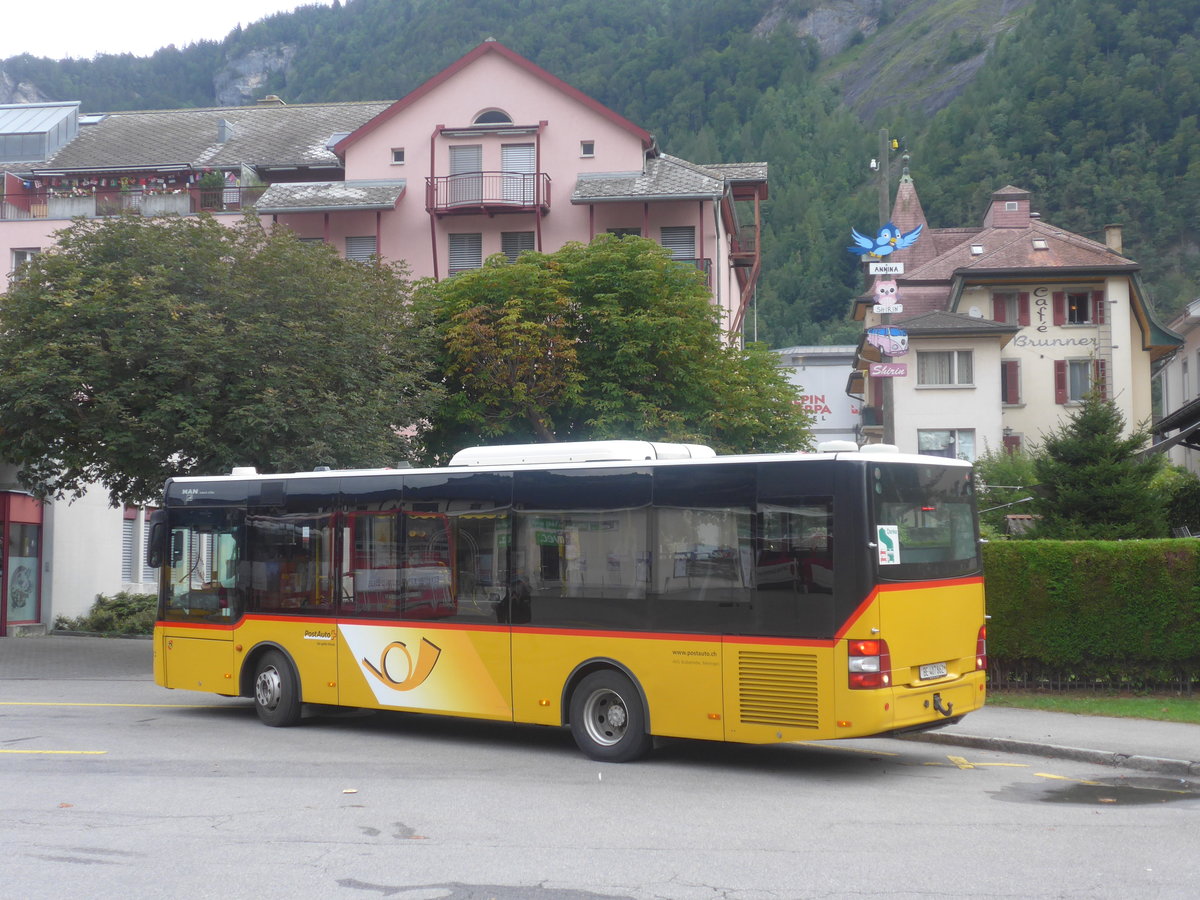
x=291, y=558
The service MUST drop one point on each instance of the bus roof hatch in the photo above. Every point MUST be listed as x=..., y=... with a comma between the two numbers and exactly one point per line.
x=578, y=451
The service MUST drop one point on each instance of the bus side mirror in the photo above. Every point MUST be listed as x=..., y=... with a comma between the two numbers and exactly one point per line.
x=156, y=542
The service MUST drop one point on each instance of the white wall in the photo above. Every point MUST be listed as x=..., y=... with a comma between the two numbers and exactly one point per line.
x=975, y=406
x=822, y=373
x=81, y=554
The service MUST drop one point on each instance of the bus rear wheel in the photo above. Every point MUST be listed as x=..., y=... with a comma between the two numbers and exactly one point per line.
x=608, y=720
x=276, y=690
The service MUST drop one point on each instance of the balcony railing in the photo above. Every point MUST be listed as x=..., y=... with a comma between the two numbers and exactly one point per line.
x=745, y=246
x=704, y=265
x=50, y=204
x=487, y=192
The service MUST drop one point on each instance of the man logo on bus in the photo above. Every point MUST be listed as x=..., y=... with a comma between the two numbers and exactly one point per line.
x=427, y=658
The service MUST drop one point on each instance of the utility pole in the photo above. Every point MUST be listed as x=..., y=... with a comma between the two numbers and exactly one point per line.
x=885, y=319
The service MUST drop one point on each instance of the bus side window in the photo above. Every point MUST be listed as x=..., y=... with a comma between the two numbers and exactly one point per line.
x=291, y=560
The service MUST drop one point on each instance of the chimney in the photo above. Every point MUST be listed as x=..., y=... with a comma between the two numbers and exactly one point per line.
x=1112, y=239
x=270, y=100
x=224, y=131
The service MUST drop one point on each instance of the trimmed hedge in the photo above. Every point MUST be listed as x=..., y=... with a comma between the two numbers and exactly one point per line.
x=1097, y=613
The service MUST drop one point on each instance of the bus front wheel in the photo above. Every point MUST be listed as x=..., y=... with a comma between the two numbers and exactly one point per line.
x=276, y=690
x=608, y=721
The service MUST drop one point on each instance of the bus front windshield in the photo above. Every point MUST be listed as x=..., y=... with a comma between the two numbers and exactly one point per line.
x=924, y=524
x=200, y=573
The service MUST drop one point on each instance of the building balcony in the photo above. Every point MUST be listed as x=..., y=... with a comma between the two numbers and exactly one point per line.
x=704, y=265
x=50, y=204
x=744, y=246
x=487, y=193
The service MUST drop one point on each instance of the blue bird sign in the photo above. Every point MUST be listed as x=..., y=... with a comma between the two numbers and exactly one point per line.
x=888, y=239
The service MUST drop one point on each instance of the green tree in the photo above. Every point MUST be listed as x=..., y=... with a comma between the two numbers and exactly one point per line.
x=1093, y=484
x=609, y=340
x=509, y=349
x=1180, y=491
x=138, y=349
x=1006, y=480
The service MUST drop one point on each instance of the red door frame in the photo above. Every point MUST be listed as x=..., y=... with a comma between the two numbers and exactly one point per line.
x=18, y=509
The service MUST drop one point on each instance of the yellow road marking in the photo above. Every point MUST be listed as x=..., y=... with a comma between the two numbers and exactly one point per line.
x=61, y=752
x=960, y=762
x=1065, y=778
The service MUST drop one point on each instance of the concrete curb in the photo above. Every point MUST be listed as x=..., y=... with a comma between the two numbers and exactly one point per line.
x=1159, y=765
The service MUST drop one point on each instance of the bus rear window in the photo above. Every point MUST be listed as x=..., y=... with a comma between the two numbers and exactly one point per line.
x=923, y=521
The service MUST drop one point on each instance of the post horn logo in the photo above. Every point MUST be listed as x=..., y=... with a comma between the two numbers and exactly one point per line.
x=427, y=658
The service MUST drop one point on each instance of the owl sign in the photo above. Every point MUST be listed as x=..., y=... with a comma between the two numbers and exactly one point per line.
x=887, y=296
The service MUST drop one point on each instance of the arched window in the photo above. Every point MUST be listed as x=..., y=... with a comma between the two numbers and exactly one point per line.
x=493, y=117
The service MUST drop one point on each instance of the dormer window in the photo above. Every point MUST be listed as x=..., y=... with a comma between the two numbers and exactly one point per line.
x=493, y=117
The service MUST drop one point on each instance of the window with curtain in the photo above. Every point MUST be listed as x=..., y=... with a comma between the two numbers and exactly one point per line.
x=945, y=367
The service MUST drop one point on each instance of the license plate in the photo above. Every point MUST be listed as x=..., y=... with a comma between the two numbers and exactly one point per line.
x=933, y=670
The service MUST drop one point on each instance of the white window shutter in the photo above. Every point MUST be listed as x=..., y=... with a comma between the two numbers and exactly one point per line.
x=466, y=252
x=360, y=249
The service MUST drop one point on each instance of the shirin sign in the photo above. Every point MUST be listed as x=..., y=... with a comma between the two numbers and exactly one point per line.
x=888, y=370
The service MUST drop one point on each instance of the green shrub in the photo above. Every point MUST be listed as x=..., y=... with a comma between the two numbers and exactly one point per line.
x=122, y=613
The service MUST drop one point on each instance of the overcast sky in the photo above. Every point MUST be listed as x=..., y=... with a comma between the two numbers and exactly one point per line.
x=83, y=28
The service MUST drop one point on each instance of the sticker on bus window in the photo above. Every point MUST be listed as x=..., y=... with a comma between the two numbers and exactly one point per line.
x=887, y=537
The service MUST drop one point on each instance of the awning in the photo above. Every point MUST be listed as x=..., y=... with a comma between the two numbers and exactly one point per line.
x=330, y=196
x=1187, y=420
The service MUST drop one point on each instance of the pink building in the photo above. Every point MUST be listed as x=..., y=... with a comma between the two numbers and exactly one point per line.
x=495, y=155
x=492, y=155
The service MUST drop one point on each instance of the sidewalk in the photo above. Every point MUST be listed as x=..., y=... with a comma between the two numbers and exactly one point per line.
x=1166, y=748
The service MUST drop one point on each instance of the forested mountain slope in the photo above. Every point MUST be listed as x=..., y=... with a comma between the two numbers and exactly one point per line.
x=1091, y=104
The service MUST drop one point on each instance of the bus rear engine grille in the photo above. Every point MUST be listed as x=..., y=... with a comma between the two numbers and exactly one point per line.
x=778, y=689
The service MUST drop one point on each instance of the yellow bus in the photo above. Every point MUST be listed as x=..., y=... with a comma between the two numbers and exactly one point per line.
x=624, y=589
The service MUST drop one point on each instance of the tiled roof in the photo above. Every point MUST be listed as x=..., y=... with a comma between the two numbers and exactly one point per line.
x=753, y=171
x=939, y=322
x=324, y=196
x=260, y=136
x=665, y=176
x=1014, y=248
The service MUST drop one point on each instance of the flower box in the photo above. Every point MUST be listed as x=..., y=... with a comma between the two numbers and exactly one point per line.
x=70, y=207
x=166, y=204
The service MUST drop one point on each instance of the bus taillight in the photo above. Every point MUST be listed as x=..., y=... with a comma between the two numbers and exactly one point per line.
x=981, y=650
x=870, y=664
